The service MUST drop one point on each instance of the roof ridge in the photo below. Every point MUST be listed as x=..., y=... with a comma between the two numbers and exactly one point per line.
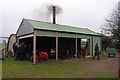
x=56, y=24
x=37, y=21
x=91, y=30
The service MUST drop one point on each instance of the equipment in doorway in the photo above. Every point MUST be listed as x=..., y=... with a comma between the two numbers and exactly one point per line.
x=52, y=54
x=41, y=56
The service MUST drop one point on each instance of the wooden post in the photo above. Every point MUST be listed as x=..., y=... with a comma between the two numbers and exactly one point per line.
x=34, y=47
x=101, y=43
x=76, y=46
x=56, y=46
x=90, y=45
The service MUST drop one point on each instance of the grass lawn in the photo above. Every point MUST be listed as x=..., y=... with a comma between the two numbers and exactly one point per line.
x=75, y=68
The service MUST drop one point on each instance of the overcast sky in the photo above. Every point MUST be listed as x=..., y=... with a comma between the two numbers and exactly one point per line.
x=89, y=14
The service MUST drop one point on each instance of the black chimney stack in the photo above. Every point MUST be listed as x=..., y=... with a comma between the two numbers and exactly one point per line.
x=54, y=14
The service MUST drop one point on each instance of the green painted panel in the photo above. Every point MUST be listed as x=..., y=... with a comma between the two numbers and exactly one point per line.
x=67, y=35
x=91, y=46
x=83, y=36
x=96, y=40
x=53, y=34
x=45, y=33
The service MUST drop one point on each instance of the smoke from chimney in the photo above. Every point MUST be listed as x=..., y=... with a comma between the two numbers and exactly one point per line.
x=46, y=12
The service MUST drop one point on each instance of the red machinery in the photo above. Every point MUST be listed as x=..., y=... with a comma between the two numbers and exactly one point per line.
x=41, y=55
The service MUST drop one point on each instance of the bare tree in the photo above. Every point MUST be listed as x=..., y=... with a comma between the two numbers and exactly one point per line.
x=112, y=25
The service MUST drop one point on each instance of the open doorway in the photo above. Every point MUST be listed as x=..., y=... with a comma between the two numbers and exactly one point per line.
x=66, y=48
x=28, y=49
x=85, y=47
x=48, y=45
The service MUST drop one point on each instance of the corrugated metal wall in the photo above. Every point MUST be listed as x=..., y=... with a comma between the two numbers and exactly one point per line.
x=24, y=28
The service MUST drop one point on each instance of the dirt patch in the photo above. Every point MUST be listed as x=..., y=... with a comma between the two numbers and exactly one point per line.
x=106, y=66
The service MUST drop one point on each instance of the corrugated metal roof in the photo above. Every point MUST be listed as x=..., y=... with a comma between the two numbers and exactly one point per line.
x=55, y=27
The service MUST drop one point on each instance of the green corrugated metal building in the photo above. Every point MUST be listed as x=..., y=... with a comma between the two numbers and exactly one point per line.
x=32, y=28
